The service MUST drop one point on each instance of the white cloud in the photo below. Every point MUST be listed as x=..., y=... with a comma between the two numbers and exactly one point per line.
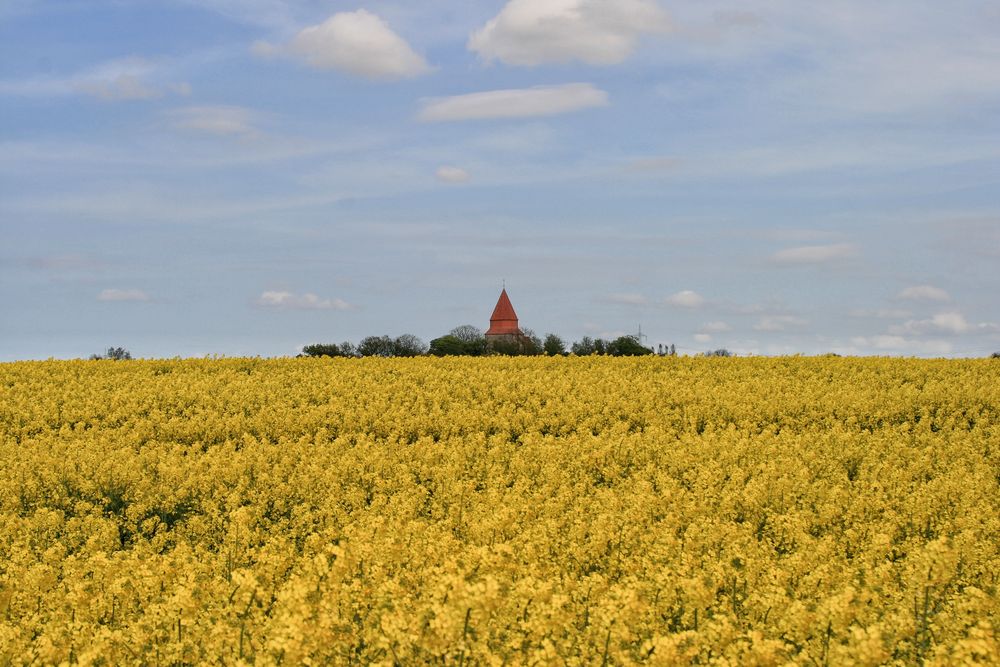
x=448, y=174
x=305, y=301
x=814, y=254
x=628, y=299
x=950, y=323
x=514, y=103
x=222, y=120
x=778, y=323
x=358, y=42
x=702, y=337
x=114, y=294
x=924, y=292
x=715, y=327
x=597, y=32
x=685, y=299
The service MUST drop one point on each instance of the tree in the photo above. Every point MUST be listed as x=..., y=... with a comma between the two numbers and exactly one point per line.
x=467, y=333
x=322, y=350
x=554, y=345
x=408, y=345
x=376, y=346
x=114, y=354
x=348, y=349
x=721, y=352
x=627, y=346
x=583, y=347
x=995, y=355
x=472, y=337
x=448, y=346
x=530, y=343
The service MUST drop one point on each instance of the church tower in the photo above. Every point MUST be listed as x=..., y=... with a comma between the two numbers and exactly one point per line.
x=503, y=322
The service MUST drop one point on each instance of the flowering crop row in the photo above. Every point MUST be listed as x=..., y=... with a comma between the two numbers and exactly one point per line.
x=500, y=511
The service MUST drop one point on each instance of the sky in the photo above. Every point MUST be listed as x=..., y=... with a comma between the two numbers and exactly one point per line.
x=244, y=177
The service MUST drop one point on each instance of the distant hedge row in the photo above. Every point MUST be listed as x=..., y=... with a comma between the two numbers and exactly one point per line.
x=470, y=341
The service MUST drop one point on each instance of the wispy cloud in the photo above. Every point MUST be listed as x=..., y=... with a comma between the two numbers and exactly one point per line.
x=628, y=299
x=815, y=254
x=116, y=80
x=65, y=263
x=307, y=301
x=514, y=103
x=116, y=294
x=881, y=313
x=597, y=32
x=652, y=165
x=924, y=293
x=779, y=323
x=450, y=174
x=219, y=120
x=358, y=43
x=715, y=327
x=685, y=299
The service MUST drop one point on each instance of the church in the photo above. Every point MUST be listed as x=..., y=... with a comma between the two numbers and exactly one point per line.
x=503, y=324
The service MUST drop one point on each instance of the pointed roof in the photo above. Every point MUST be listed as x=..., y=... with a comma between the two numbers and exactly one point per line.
x=504, y=319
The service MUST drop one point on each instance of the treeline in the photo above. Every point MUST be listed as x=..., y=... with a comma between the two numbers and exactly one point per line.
x=470, y=341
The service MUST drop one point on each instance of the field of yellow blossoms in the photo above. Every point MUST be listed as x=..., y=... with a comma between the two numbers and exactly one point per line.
x=815, y=511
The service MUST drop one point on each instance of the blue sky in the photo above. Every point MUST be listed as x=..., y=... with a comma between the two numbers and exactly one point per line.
x=244, y=177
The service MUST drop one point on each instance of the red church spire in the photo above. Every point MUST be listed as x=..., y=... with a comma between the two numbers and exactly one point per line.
x=503, y=321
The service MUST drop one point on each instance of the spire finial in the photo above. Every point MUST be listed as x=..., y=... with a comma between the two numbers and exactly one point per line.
x=503, y=281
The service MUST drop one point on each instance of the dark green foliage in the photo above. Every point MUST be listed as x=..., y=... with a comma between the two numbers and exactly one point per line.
x=467, y=333
x=452, y=346
x=472, y=338
x=322, y=350
x=114, y=354
x=408, y=345
x=721, y=352
x=627, y=346
x=587, y=346
x=521, y=346
x=553, y=345
x=376, y=346
x=583, y=347
x=530, y=342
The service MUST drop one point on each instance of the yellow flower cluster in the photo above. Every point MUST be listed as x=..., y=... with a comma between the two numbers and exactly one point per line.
x=500, y=511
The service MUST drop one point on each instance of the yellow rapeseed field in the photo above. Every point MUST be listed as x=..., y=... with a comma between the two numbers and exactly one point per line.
x=815, y=511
